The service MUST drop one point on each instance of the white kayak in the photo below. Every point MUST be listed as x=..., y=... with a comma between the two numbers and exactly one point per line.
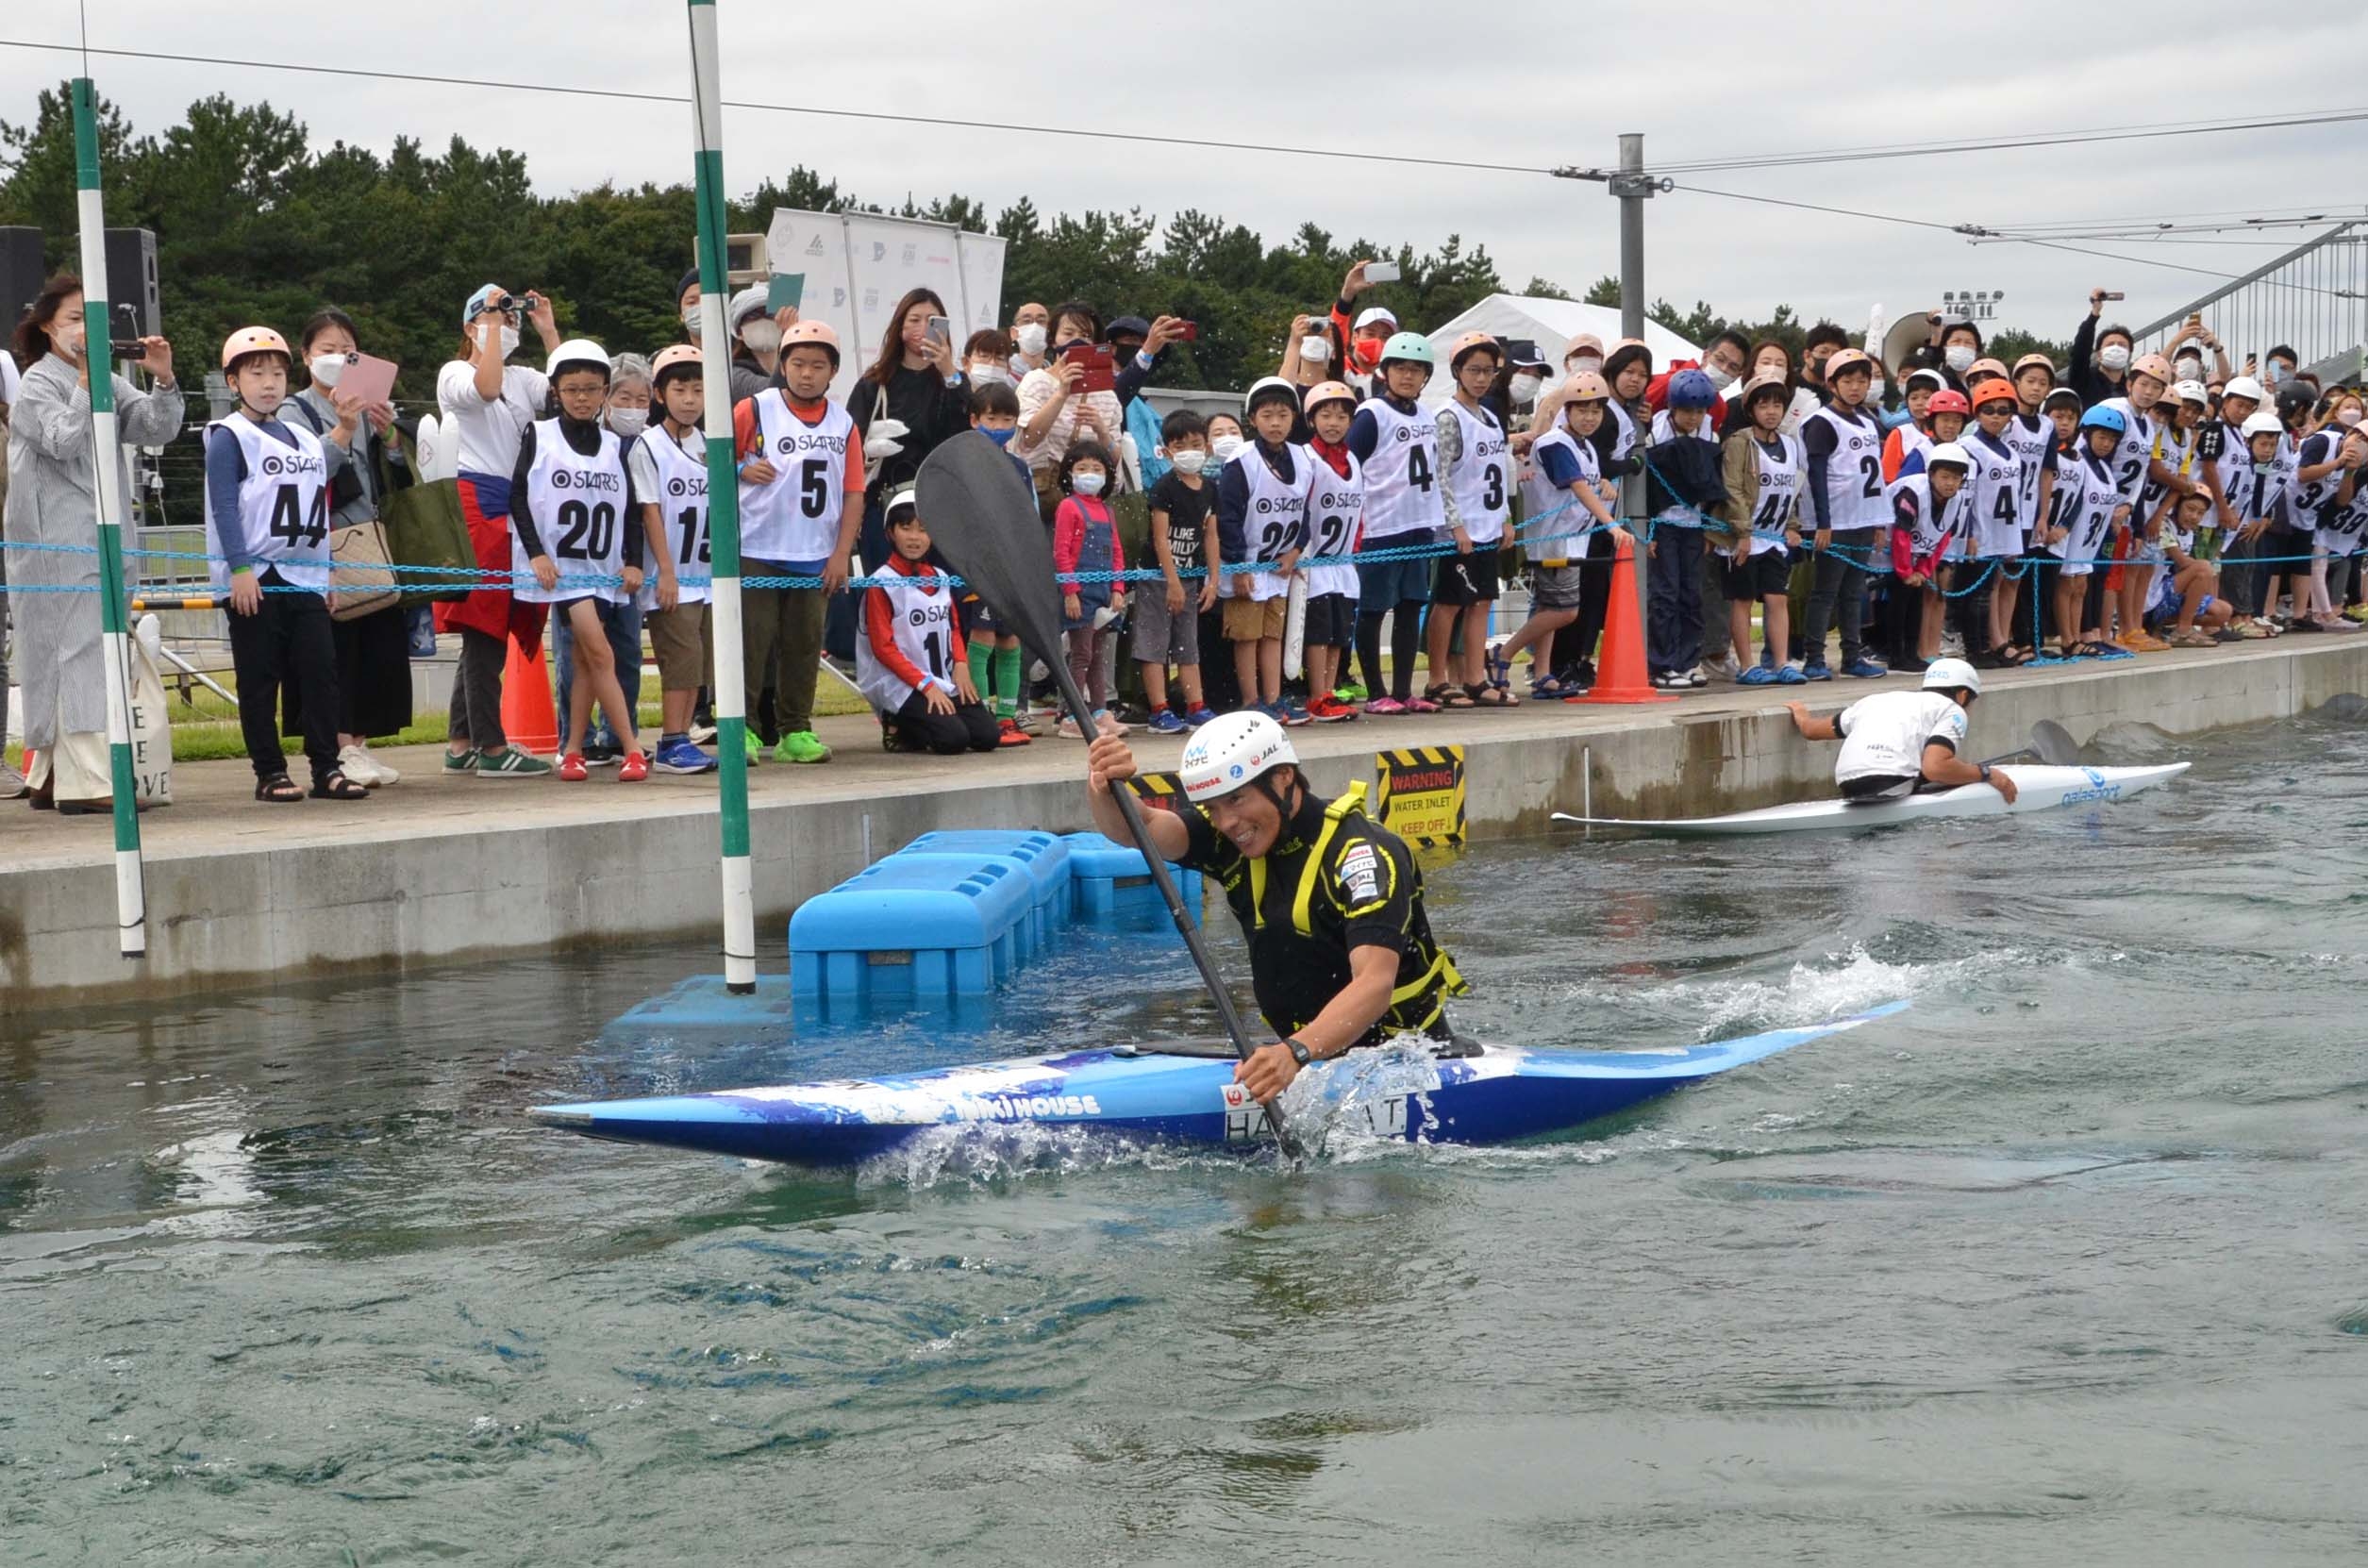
x=2038, y=788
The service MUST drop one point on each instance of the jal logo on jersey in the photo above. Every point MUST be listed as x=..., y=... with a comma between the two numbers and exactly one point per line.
x=679, y=486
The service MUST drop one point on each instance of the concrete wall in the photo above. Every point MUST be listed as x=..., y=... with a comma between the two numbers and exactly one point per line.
x=401, y=894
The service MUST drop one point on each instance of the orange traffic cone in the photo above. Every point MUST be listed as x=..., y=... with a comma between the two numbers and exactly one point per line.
x=1620, y=675
x=526, y=713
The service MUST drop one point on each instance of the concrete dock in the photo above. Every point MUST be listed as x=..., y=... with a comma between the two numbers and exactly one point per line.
x=435, y=870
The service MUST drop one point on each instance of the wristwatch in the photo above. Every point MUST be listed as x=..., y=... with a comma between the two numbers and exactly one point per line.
x=1299, y=1052
x=1985, y=771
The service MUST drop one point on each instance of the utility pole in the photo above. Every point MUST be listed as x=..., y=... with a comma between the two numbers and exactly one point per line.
x=1631, y=186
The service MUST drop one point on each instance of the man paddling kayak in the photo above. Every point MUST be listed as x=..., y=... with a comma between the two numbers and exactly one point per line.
x=1340, y=951
x=1897, y=743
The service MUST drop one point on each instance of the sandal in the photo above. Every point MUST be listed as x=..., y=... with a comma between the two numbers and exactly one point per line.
x=1550, y=690
x=1500, y=669
x=279, y=790
x=1448, y=697
x=1491, y=697
x=336, y=787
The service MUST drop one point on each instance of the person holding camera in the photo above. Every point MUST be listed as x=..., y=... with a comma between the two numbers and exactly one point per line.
x=53, y=505
x=489, y=405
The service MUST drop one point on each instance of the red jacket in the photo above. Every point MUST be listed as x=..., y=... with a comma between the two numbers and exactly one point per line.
x=1656, y=393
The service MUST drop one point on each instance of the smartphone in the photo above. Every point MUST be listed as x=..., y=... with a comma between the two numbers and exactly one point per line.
x=1188, y=332
x=1381, y=272
x=941, y=329
x=128, y=348
x=1100, y=374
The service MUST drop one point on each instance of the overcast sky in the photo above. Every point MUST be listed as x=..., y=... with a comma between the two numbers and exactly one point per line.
x=1555, y=87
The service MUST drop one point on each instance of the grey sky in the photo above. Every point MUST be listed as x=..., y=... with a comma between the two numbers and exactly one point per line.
x=1542, y=86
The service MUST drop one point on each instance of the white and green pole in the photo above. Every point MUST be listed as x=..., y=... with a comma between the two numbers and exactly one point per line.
x=131, y=899
x=731, y=692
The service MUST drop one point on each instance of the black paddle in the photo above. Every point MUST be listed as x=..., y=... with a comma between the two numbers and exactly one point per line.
x=982, y=516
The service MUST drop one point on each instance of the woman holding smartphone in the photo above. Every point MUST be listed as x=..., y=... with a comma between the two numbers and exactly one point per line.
x=914, y=396
x=1057, y=409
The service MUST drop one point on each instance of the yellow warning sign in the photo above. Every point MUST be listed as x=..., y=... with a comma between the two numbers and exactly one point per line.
x=1163, y=790
x=1422, y=794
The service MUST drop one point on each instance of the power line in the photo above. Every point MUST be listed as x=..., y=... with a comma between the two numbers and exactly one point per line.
x=2052, y=139
x=1812, y=207
x=1346, y=153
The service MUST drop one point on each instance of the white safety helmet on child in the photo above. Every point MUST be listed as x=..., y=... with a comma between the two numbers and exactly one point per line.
x=2244, y=387
x=1231, y=752
x=577, y=351
x=1948, y=454
x=1952, y=674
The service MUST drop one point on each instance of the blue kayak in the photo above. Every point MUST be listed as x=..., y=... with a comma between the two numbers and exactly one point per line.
x=1157, y=1093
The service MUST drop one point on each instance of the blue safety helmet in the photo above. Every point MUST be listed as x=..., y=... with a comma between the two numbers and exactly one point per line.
x=1690, y=389
x=2103, y=418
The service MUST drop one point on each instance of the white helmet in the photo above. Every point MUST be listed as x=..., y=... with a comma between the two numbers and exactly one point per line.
x=2243, y=386
x=2263, y=423
x=1950, y=453
x=1952, y=674
x=2191, y=391
x=1231, y=751
x=576, y=351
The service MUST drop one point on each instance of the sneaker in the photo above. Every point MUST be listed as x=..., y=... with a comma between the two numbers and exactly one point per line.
x=1583, y=675
x=683, y=757
x=572, y=768
x=1863, y=668
x=1349, y=693
x=1816, y=671
x=1009, y=733
x=703, y=735
x=510, y=764
x=599, y=754
x=1385, y=707
x=633, y=767
x=801, y=745
x=1199, y=716
x=1292, y=714
x=1165, y=723
x=13, y=784
x=2357, y=613
x=1421, y=705
x=1759, y=675
x=459, y=761
x=1909, y=666
x=1727, y=667
x=1951, y=646
x=1790, y=675
x=1067, y=729
x=355, y=761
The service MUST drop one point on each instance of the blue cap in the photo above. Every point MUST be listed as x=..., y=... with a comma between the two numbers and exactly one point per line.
x=480, y=301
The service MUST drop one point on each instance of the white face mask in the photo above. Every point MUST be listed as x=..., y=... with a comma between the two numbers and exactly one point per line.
x=762, y=336
x=1524, y=388
x=628, y=422
x=1030, y=339
x=1958, y=358
x=1224, y=448
x=2114, y=358
x=1315, y=351
x=1874, y=390
x=2190, y=369
x=690, y=321
x=2347, y=417
x=986, y=372
x=1720, y=378
x=1190, y=461
x=1085, y=483
x=510, y=342
x=326, y=369
x=1586, y=364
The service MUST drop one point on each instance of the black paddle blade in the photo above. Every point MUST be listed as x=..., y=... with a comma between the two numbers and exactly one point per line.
x=981, y=513
x=2055, y=744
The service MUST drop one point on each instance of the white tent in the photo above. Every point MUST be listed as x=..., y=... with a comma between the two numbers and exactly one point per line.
x=1550, y=324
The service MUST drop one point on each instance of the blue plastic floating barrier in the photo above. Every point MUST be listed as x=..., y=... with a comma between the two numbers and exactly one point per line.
x=1044, y=857
x=1106, y=878
x=913, y=924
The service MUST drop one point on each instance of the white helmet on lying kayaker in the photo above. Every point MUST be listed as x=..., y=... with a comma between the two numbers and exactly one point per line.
x=1952, y=674
x=1231, y=753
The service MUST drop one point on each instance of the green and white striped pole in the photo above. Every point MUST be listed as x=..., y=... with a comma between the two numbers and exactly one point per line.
x=131, y=899
x=732, y=692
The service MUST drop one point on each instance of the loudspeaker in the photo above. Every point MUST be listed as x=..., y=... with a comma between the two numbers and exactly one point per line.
x=21, y=276
x=131, y=280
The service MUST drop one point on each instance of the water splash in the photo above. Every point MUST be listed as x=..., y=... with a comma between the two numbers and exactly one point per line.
x=1817, y=992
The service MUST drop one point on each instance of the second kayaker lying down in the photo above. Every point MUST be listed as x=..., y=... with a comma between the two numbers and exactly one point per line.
x=1331, y=902
x=1897, y=743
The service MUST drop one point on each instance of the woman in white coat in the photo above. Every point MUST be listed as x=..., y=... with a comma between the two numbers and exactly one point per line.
x=61, y=662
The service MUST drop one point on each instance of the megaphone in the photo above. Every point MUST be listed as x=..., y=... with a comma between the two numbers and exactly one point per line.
x=1907, y=336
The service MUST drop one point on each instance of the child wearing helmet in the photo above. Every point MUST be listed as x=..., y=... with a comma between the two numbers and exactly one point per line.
x=1850, y=509
x=1085, y=540
x=801, y=507
x=2171, y=472
x=2196, y=615
x=668, y=461
x=2322, y=459
x=1262, y=522
x=909, y=661
x=1478, y=466
x=1336, y=518
x=1992, y=538
x=2031, y=434
x=1931, y=514
x=267, y=513
x=1686, y=494
x=1910, y=437
x=2062, y=410
x=580, y=536
x=1397, y=444
x=1566, y=495
x=2087, y=522
x=1764, y=469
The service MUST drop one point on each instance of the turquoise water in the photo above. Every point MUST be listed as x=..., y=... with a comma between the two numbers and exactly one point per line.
x=2066, y=1263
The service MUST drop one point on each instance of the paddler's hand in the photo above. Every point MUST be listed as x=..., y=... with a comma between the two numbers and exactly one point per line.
x=1267, y=1071
x=1108, y=760
x=2003, y=782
